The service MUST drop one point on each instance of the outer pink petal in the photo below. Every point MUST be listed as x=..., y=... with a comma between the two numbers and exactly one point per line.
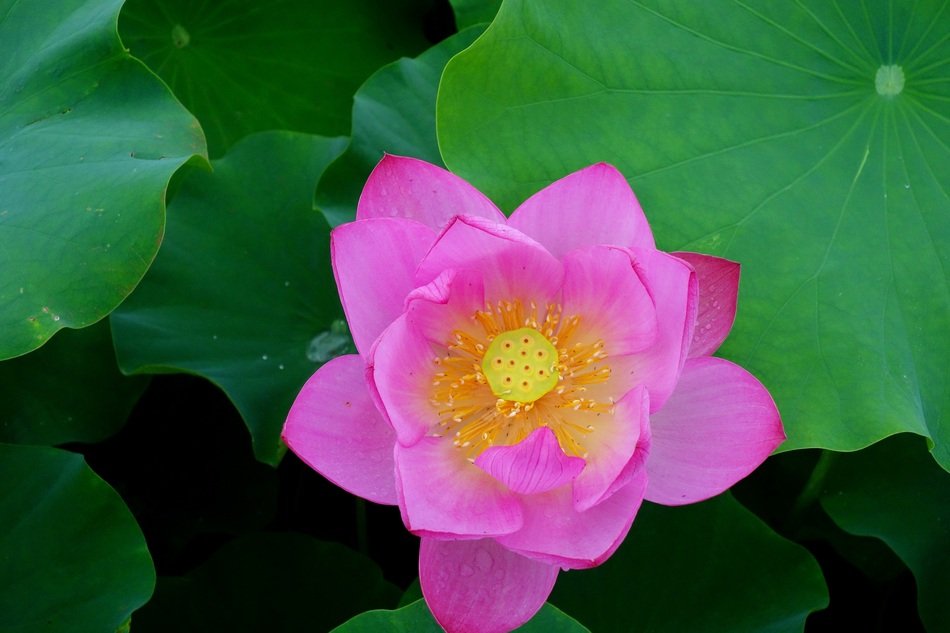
x=403, y=368
x=512, y=265
x=718, y=426
x=602, y=287
x=673, y=286
x=334, y=427
x=611, y=447
x=480, y=587
x=718, y=281
x=554, y=532
x=374, y=262
x=592, y=206
x=441, y=493
x=534, y=465
x=412, y=188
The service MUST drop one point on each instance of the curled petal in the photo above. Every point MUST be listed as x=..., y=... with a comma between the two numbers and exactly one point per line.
x=414, y=189
x=481, y=587
x=592, y=206
x=374, y=262
x=441, y=493
x=715, y=429
x=535, y=464
x=718, y=282
x=445, y=304
x=335, y=429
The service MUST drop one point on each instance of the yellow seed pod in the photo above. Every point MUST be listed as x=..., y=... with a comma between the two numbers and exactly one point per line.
x=520, y=365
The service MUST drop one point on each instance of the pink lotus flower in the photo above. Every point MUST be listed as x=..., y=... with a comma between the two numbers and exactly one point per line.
x=523, y=384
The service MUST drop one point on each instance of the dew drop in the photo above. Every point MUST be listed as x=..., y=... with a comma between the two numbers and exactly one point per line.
x=286, y=284
x=281, y=366
x=56, y=317
x=331, y=343
x=263, y=356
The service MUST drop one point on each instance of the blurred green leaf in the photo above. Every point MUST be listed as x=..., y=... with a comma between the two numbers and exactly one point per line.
x=416, y=618
x=72, y=558
x=469, y=12
x=242, y=292
x=274, y=582
x=707, y=567
x=88, y=141
x=769, y=133
x=393, y=112
x=69, y=390
x=244, y=66
x=894, y=492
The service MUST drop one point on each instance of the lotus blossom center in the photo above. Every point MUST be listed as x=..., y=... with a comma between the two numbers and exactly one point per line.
x=521, y=365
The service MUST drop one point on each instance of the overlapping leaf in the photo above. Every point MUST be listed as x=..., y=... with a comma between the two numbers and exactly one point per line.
x=469, y=12
x=776, y=134
x=242, y=291
x=88, y=140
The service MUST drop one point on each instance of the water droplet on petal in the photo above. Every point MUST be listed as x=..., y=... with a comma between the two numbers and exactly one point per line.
x=466, y=570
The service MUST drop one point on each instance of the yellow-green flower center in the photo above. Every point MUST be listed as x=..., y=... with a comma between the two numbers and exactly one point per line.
x=521, y=365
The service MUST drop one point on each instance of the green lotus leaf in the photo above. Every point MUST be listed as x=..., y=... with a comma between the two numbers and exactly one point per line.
x=88, y=141
x=245, y=66
x=242, y=292
x=807, y=140
x=73, y=559
x=469, y=12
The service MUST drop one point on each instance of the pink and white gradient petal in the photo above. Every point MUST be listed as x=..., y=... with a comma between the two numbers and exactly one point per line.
x=534, y=465
x=411, y=188
x=672, y=284
x=513, y=266
x=594, y=205
x=374, y=262
x=715, y=429
x=601, y=285
x=334, y=427
x=481, y=587
x=443, y=494
x=557, y=534
x=718, y=281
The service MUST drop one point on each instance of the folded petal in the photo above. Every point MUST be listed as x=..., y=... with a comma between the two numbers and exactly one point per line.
x=374, y=262
x=441, y=493
x=554, y=532
x=411, y=188
x=610, y=449
x=718, y=282
x=715, y=429
x=447, y=304
x=603, y=288
x=592, y=206
x=403, y=367
x=535, y=464
x=512, y=265
x=335, y=429
x=672, y=283
x=480, y=587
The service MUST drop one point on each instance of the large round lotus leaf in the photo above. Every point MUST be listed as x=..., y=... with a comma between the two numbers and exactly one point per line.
x=88, y=140
x=704, y=568
x=808, y=141
x=244, y=66
x=273, y=582
x=72, y=559
x=416, y=618
x=894, y=492
x=393, y=112
x=69, y=390
x=242, y=291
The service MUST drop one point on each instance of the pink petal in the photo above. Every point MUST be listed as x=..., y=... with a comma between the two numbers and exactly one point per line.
x=334, y=427
x=718, y=281
x=717, y=427
x=672, y=284
x=447, y=304
x=533, y=465
x=592, y=206
x=610, y=450
x=414, y=189
x=442, y=493
x=512, y=265
x=374, y=262
x=554, y=532
x=480, y=587
x=403, y=370
x=603, y=288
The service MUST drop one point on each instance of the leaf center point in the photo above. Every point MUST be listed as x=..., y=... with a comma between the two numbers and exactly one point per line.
x=889, y=80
